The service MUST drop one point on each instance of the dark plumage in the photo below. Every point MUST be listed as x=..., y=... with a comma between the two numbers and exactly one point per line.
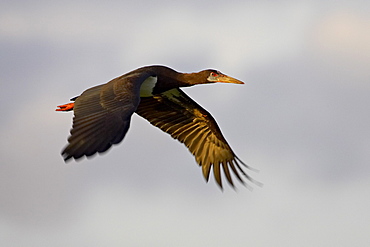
x=102, y=117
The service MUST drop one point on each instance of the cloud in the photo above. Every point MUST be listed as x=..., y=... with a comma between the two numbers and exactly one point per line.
x=342, y=41
x=301, y=119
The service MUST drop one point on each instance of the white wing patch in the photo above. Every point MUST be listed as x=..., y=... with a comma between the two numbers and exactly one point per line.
x=173, y=94
x=146, y=89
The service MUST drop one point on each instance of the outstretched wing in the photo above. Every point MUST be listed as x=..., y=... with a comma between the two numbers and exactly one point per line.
x=178, y=115
x=102, y=115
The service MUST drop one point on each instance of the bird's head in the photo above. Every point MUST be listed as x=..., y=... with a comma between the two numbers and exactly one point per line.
x=176, y=79
x=216, y=76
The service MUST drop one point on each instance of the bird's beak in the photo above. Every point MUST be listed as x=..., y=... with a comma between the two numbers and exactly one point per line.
x=228, y=79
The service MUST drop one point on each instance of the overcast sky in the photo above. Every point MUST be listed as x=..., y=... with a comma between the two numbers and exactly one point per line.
x=302, y=119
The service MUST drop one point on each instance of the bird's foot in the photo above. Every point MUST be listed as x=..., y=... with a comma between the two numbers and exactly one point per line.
x=65, y=107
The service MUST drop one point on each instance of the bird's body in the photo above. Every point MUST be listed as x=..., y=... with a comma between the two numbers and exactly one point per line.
x=102, y=116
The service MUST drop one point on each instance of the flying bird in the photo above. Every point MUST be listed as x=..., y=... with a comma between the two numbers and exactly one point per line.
x=102, y=117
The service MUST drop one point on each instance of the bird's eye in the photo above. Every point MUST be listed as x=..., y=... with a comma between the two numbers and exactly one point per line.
x=213, y=74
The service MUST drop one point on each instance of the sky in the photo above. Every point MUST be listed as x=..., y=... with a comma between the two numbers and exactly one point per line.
x=301, y=118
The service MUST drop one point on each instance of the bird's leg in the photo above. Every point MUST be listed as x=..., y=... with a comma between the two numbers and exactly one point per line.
x=66, y=107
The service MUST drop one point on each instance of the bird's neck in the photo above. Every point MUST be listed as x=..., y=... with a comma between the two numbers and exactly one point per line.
x=190, y=79
x=172, y=79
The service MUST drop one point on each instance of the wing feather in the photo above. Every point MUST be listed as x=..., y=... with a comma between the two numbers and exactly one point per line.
x=102, y=115
x=225, y=167
x=178, y=115
x=217, y=173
